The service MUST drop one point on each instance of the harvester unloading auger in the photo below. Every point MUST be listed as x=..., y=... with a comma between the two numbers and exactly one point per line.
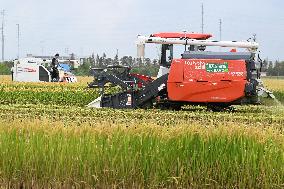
x=215, y=79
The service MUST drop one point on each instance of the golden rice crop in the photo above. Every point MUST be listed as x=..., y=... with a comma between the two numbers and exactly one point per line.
x=274, y=84
x=42, y=154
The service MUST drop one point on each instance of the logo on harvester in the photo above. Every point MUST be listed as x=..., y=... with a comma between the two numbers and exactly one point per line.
x=217, y=67
x=198, y=65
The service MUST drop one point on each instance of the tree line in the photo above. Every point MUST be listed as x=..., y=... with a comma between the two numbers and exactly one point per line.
x=144, y=66
x=275, y=69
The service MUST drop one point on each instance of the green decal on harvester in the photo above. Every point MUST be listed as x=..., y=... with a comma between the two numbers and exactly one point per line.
x=217, y=67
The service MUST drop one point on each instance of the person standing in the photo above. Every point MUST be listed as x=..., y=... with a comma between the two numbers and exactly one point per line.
x=54, y=68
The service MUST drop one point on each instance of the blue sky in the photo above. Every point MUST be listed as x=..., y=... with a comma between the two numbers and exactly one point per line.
x=87, y=26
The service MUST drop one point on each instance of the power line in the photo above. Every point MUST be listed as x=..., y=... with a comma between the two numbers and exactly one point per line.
x=202, y=18
x=67, y=51
x=254, y=37
x=42, y=47
x=18, y=28
x=220, y=29
x=2, y=33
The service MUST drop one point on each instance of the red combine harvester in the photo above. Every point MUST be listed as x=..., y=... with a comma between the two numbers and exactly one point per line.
x=215, y=79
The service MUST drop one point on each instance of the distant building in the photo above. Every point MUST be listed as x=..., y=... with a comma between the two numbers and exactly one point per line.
x=71, y=60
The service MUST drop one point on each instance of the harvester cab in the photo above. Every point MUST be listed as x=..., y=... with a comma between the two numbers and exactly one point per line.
x=215, y=79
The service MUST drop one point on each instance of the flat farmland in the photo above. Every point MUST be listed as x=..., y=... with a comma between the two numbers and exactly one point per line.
x=49, y=138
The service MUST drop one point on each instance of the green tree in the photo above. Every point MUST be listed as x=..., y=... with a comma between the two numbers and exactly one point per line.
x=149, y=70
x=115, y=60
x=5, y=67
x=147, y=61
x=276, y=70
x=84, y=69
x=270, y=70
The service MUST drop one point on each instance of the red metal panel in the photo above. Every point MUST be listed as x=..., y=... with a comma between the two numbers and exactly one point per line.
x=209, y=80
x=177, y=69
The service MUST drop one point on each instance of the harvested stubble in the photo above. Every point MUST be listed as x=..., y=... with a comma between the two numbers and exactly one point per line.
x=260, y=116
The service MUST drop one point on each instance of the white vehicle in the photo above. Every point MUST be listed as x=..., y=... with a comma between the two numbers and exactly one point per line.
x=36, y=70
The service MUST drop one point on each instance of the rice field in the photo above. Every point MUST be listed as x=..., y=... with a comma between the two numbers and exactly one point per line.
x=49, y=139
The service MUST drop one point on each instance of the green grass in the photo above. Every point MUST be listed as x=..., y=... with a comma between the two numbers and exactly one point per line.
x=146, y=156
x=279, y=96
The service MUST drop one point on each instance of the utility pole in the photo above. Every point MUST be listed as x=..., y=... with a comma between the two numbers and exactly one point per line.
x=42, y=47
x=220, y=32
x=2, y=33
x=202, y=18
x=18, y=27
x=116, y=57
x=254, y=37
x=67, y=51
x=220, y=29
